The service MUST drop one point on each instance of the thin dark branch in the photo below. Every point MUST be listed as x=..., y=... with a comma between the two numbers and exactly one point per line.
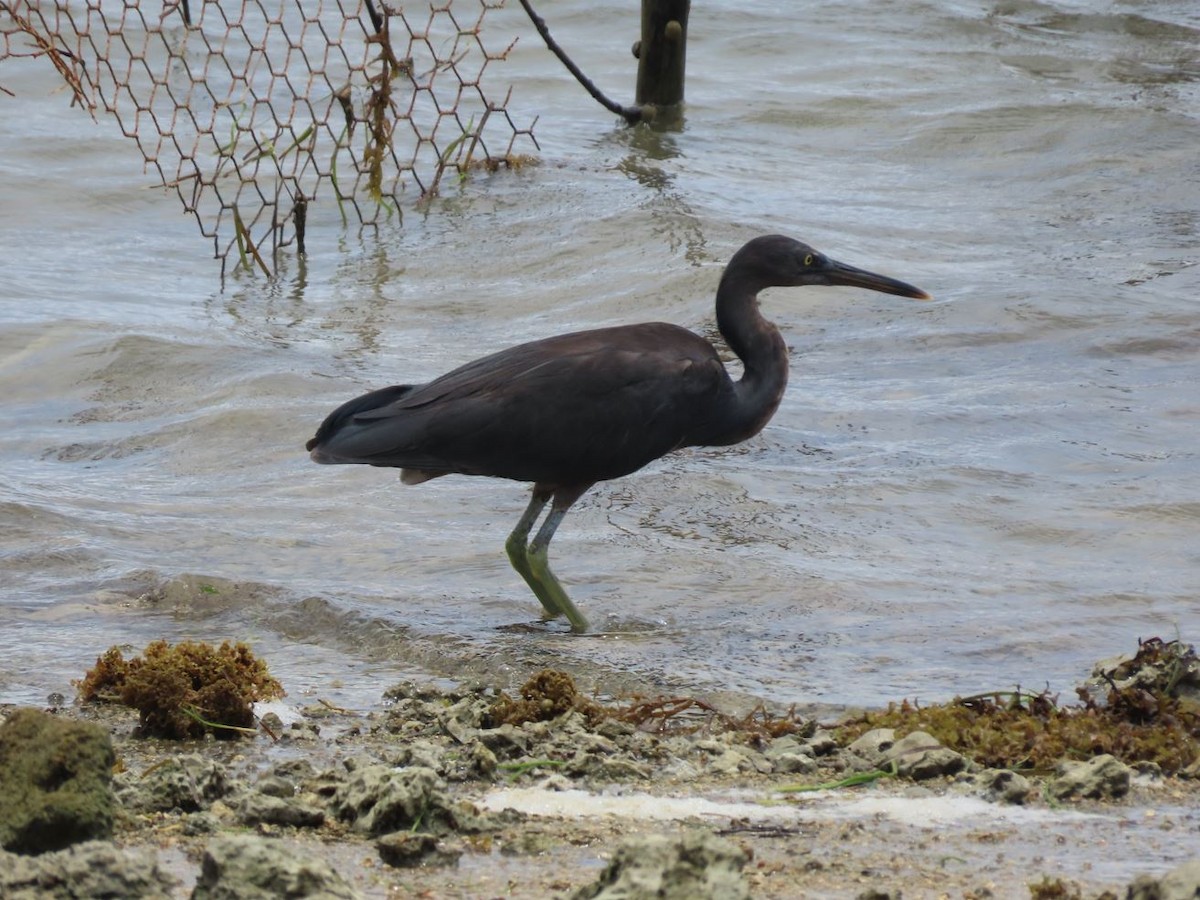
x=631, y=114
x=376, y=18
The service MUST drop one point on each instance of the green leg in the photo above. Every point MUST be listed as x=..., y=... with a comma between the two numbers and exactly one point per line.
x=539, y=564
x=531, y=559
x=518, y=552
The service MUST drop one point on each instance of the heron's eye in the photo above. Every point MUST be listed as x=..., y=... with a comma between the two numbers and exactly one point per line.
x=808, y=259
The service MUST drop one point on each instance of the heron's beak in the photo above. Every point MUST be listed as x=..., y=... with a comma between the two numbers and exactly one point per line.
x=840, y=273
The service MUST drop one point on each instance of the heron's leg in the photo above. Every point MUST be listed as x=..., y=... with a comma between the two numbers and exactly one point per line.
x=518, y=551
x=539, y=563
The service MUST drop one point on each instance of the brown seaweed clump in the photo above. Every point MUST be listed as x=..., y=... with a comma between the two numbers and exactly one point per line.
x=185, y=690
x=551, y=693
x=545, y=696
x=690, y=715
x=1142, y=713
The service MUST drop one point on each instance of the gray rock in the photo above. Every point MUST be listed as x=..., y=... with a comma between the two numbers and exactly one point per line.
x=592, y=743
x=616, y=728
x=731, y=762
x=793, y=764
x=919, y=756
x=55, y=782
x=187, y=783
x=294, y=770
x=327, y=783
x=90, y=869
x=412, y=691
x=462, y=720
x=379, y=799
x=788, y=756
x=507, y=741
x=256, y=809
x=697, y=866
x=301, y=733
x=420, y=753
x=248, y=867
x=781, y=746
x=821, y=743
x=1004, y=786
x=483, y=761
x=621, y=770
x=554, y=782
x=1102, y=776
x=359, y=761
x=1181, y=883
x=199, y=823
x=872, y=747
x=275, y=786
x=711, y=745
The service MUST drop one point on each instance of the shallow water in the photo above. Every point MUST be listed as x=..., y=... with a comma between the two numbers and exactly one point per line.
x=998, y=487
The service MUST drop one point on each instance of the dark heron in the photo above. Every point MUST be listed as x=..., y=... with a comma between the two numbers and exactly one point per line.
x=571, y=410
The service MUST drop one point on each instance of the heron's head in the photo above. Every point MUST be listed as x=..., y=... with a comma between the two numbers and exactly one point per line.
x=778, y=261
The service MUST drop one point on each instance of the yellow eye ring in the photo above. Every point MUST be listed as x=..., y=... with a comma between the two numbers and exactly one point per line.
x=808, y=259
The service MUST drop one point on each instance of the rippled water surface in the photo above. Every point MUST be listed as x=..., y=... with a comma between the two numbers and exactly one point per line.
x=1000, y=486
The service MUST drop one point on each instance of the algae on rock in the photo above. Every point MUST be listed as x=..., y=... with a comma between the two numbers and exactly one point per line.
x=55, y=782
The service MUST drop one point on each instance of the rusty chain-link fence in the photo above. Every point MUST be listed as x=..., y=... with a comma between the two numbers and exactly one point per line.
x=255, y=110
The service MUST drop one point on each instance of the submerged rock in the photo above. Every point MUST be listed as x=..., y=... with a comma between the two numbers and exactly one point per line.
x=247, y=867
x=90, y=869
x=697, y=866
x=405, y=850
x=55, y=782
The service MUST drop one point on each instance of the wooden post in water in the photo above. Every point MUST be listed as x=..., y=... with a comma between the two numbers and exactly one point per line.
x=661, y=52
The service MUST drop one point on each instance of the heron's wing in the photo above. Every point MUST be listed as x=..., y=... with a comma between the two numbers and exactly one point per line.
x=583, y=406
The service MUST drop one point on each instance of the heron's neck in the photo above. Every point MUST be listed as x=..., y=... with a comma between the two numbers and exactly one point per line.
x=760, y=347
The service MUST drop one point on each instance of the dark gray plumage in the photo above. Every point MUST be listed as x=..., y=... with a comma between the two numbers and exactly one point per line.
x=571, y=410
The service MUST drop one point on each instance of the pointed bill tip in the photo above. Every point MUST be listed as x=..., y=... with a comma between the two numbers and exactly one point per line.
x=852, y=276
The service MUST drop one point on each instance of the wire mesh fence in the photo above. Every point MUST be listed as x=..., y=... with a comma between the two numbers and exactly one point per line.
x=254, y=110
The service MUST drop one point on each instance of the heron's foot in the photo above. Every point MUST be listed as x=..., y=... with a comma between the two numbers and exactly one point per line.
x=550, y=591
